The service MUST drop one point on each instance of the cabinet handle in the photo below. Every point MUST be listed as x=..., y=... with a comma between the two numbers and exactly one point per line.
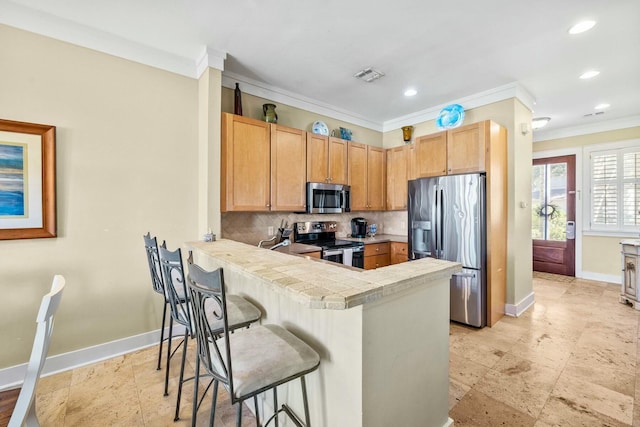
x=377, y=249
x=268, y=205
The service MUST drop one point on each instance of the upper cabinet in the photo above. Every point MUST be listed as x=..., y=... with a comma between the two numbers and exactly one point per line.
x=262, y=166
x=459, y=150
x=367, y=177
x=398, y=174
x=245, y=164
x=326, y=159
x=430, y=155
x=288, y=171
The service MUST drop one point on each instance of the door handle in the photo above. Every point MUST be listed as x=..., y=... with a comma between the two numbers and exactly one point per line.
x=571, y=230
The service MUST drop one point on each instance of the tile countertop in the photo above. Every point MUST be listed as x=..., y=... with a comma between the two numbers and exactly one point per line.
x=322, y=285
x=379, y=238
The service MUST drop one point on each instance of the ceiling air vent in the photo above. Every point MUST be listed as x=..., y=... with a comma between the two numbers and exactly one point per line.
x=368, y=75
x=597, y=113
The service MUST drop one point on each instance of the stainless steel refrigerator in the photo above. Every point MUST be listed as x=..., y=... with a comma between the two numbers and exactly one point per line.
x=447, y=220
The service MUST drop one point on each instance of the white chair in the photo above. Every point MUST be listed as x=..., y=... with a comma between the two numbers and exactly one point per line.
x=24, y=412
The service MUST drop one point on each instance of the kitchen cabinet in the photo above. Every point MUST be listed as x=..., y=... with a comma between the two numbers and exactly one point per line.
x=376, y=255
x=262, y=166
x=456, y=151
x=326, y=159
x=398, y=175
x=630, y=279
x=245, y=164
x=399, y=252
x=288, y=171
x=367, y=177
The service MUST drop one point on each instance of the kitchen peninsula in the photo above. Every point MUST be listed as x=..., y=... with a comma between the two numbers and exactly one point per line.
x=382, y=335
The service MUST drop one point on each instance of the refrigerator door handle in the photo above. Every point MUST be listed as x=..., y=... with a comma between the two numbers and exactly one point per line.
x=469, y=275
x=440, y=222
x=436, y=221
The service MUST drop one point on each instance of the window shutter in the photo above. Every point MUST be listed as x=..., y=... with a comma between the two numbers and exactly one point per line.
x=631, y=189
x=604, y=189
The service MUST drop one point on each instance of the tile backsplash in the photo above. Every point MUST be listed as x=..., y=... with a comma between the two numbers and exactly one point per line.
x=251, y=227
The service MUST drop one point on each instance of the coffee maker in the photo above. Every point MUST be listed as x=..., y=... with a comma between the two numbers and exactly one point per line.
x=358, y=227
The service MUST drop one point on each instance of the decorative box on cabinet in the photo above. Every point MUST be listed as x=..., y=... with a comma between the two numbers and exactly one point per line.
x=630, y=279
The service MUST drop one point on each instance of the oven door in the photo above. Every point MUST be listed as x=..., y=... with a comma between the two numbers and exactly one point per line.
x=334, y=255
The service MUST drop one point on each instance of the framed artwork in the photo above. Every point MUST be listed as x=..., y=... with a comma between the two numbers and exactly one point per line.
x=27, y=180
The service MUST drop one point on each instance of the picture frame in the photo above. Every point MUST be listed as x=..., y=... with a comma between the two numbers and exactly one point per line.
x=27, y=180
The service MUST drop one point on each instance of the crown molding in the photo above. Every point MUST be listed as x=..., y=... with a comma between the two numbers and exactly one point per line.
x=210, y=57
x=273, y=93
x=52, y=26
x=603, y=126
x=500, y=93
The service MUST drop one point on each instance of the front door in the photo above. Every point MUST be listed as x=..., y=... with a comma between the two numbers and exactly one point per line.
x=553, y=207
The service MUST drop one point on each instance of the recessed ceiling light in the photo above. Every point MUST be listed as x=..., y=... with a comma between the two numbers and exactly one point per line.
x=589, y=74
x=602, y=106
x=581, y=27
x=410, y=92
x=539, y=122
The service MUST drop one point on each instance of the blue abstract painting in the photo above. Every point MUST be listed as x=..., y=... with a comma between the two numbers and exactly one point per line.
x=12, y=179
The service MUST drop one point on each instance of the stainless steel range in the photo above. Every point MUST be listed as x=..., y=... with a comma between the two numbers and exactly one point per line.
x=323, y=234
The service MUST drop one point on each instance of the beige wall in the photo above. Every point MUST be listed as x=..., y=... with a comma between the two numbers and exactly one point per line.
x=600, y=254
x=125, y=133
x=296, y=117
x=510, y=114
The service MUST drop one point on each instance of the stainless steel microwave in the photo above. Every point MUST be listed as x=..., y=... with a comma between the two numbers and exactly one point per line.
x=328, y=198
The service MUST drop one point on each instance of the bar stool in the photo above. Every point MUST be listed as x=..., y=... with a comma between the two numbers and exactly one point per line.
x=242, y=312
x=151, y=248
x=247, y=362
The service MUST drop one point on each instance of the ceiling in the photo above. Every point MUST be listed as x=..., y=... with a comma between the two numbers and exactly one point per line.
x=311, y=50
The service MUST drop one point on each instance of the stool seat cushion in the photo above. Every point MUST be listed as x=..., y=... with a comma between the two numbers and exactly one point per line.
x=240, y=313
x=265, y=355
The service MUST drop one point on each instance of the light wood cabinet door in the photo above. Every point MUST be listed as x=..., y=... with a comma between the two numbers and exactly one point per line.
x=326, y=159
x=398, y=167
x=317, y=157
x=338, y=155
x=288, y=171
x=431, y=155
x=466, y=149
x=245, y=164
x=399, y=252
x=358, y=175
x=376, y=178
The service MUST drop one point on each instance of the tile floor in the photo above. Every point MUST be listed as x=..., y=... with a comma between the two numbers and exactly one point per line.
x=570, y=360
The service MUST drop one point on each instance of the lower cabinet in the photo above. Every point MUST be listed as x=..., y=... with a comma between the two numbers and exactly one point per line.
x=313, y=254
x=399, y=252
x=376, y=255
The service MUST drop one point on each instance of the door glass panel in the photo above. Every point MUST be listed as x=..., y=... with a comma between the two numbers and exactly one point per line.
x=549, y=202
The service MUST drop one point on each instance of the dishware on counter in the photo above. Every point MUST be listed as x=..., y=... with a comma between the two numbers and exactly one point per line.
x=320, y=128
x=269, y=113
x=373, y=229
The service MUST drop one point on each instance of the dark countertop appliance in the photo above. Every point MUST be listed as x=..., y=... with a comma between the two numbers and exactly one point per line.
x=358, y=227
x=323, y=234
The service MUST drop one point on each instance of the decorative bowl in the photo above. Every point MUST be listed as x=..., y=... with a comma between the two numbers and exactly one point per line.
x=450, y=117
x=320, y=128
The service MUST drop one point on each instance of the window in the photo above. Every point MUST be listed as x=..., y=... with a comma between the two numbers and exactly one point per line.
x=615, y=188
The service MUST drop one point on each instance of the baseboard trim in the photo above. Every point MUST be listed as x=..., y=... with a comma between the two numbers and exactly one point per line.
x=13, y=376
x=449, y=423
x=599, y=277
x=516, y=310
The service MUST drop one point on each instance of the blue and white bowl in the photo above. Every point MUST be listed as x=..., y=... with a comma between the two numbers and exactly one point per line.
x=320, y=128
x=450, y=117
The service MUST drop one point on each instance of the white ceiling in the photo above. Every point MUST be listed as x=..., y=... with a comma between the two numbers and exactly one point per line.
x=310, y=50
